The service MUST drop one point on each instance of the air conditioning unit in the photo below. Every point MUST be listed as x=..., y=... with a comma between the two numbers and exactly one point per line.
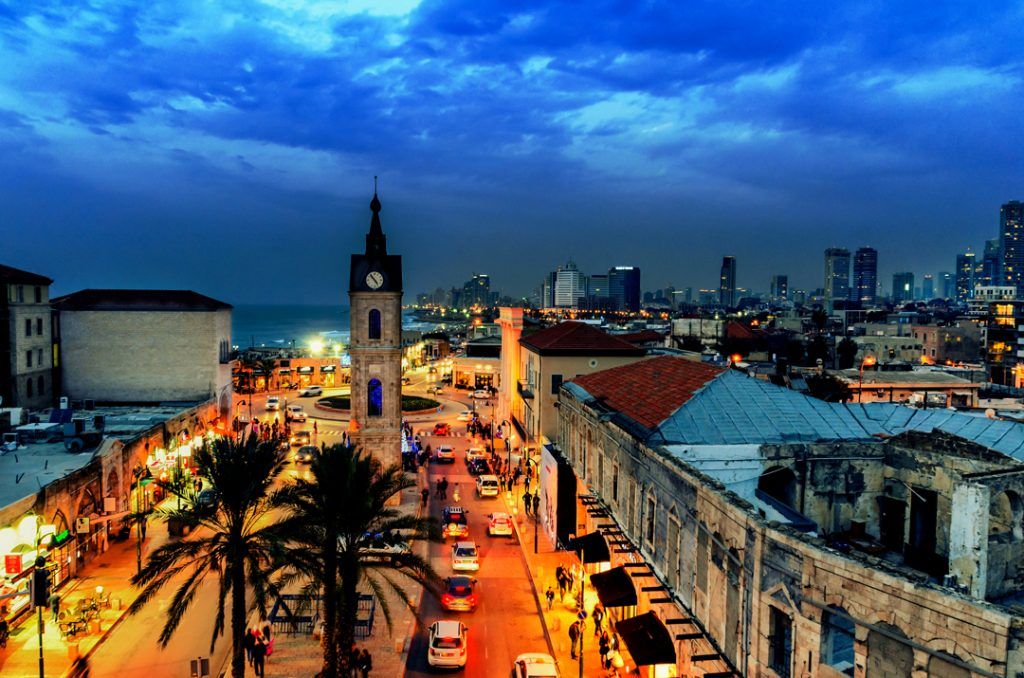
x=949, y=581
x=99, y=422
x=64, y=402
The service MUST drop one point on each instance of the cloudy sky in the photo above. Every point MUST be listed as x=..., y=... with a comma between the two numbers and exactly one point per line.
x=230, y=146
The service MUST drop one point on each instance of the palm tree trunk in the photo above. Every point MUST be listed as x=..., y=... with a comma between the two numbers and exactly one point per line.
x=330, y=593
x=238, y=619
x=349, y=606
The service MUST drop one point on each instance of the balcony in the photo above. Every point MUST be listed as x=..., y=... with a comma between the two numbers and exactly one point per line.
x=524, y=390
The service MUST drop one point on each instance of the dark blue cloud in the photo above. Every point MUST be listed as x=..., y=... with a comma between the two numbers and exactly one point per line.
x=815, y=123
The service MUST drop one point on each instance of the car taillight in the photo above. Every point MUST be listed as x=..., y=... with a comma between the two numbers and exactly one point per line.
x=446, y=599
x=433, y=652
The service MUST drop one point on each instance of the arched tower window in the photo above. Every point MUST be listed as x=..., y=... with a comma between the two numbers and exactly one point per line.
x=375, y=398
x=374, y=324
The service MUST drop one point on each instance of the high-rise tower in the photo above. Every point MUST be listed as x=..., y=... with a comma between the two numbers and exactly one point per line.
x=865, y=276
x=1011, y=245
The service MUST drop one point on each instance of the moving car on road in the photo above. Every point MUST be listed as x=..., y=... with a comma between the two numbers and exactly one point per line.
x=454, y=522
x=475, y=453
x=534, y=665
x=459, y=594
x=465, y=415
x=300, y=438
x=442, y=429
x=445, y=453
x=435, y=390
x=273, y=403
x=499, y=524
x=304, y=454
x=447, y=644
x=487, y=486
x=465, y=556
x=311, y=391
x=481, y=394
x=296, y=413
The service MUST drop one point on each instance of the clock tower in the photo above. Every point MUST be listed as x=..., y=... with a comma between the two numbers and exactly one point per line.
x=375, y=346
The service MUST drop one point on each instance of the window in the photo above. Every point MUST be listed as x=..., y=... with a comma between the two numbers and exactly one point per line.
x=649, y=523
x=702, y=557
x=28, y=327
x=374, y=324
x=556, y=383
x=837, y=635
x=615, y=483
x=39, y=357
x=39, y=294
x=21, y=294
x=375, y=398
x=28, y=358
x=41, y=385
x=39, y=326
x=780, y=641
x=599, y=481
x=631, y=508
x=672, y=551
x=28, y=387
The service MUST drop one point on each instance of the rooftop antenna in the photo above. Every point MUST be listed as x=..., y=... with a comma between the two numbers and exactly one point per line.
x=375, y=184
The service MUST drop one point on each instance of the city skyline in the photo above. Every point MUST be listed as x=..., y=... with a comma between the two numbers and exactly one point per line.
x=160, y=146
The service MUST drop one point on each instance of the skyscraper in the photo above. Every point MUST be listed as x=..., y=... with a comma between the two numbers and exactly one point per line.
x=965, y=275
x=477, y=290
x=865, y=275
x=727, y=282
x=570, y=286
x=990, y=269
x=902, y=287
x=837, y=275
x=780, y=287
x=624, y=287
x=947, y=285
x=597, y=291
x=928, y=287
x=1011, y=244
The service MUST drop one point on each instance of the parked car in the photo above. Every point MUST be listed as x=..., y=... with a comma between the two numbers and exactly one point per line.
x=465, y=415
x=460, y=594
x=487, y=486
x=273, y=403
x=465, y=556
x=478, y=467
x=385, y=548
x=454, y=522
x=305, y=454
x=442, y=429
x=300, y=438
x=534, y=665
x=311, y=391
x=481, y=394
x=444, y=453
x=448, y=644
x=499, y=524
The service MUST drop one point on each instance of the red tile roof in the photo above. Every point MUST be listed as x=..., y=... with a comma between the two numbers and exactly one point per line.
x=649, y=391
x=576, y=338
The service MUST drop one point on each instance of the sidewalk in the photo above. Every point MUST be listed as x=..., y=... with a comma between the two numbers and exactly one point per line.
x=111, y=570
x=541, y=567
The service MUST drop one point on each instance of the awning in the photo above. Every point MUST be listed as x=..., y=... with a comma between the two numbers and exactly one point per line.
x=519, y=428
x=327, y=368
x=304, y=369
x=648, y=640
x=594, y=548
x=614, y=587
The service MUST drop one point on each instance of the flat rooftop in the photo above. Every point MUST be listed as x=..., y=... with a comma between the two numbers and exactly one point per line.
x=907, y=378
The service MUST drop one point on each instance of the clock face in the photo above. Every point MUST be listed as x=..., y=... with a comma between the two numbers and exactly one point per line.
x=374, y=279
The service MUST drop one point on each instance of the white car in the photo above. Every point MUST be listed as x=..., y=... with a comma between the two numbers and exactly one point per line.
x=448, y=644
x=311, y=391
x=435, y=390
x=444, y=453
x=499, y=524
x=535, y=665
x=481, y=394
x=465, y=556
x=465, y=415
x=487, y=486
x=273, y=403
x=475, y=453
x=296, y=413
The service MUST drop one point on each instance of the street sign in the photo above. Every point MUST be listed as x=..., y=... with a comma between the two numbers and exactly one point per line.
x=82, y=525
x=582, y=615
x=198, y=668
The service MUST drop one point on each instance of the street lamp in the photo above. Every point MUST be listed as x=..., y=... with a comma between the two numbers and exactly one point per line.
x=868, y=361
x=143, y=476
x=581, y=612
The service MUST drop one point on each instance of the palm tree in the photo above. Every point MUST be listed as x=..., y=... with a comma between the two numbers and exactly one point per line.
x=239, y=546
x=267, y=366
x=336, y=515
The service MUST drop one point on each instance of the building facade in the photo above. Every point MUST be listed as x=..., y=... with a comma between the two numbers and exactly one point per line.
x=624, y=288
x=375, y=312
x=1011, y=245
x=26, y=340
x=837, y=276
x=865, y=275
x=965, y=272
x=727, y=282
x=902, y=287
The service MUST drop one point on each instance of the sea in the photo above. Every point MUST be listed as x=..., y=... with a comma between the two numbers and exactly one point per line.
x=298, y=325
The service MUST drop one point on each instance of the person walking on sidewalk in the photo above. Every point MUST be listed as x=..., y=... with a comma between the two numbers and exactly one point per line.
x=527, y=501
x=526, y=482
x=365, y=663
x=562, y=582
x=259, y=654
x=424, y=497
x=550, y=595
x=604, y=649
x=249, y=642
x=536, y=503
x=54, y=605
x=598, y=617
x=574, y=635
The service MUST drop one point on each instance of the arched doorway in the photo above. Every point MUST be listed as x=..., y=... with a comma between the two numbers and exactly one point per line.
x=888, y=656
x=940, y=667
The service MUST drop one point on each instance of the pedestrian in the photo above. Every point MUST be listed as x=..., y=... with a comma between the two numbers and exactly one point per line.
x=259, y=654
x=604, y=649
x=266, y=634
x=536, y=504
x=365, y=662
x=444, y=488
x=249, y=642
x=54, y=605
x=574, y=634
x=315, y=430
x=527, y=501
x=424, y=496
x=562, y=581
x=598, y=617
x=550, y=595
x=526, y=482
x=353, y=659
x=437, y=492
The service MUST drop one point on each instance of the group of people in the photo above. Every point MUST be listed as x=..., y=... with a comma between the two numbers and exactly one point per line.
x=566, y=579
x=258, y=645
x=356, y=663
x=607, y=642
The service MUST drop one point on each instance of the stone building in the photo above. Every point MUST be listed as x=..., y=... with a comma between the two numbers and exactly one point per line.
x=764, y=533
x=26, y=339
x=145, y=346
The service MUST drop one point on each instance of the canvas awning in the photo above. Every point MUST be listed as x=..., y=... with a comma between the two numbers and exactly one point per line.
x=614, y=587
x=593, y=547
x=648, y=640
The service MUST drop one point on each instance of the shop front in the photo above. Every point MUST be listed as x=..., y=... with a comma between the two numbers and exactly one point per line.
x=20, y=544
x=305, y=374
x=328, y=375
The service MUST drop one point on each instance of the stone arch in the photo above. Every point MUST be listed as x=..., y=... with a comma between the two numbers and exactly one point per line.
x=88, y=502
x=940, y=667
x=374, y=398
x=60, y=521
x=779, y=482
x=888, y=655
x=838, y=634
x=113, y=483
x=1006, y=514
x=373, y=328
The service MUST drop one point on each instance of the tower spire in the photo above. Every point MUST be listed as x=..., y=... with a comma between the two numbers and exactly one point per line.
x=376, y=242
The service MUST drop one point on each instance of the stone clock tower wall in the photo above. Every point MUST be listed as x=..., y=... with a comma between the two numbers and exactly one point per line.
x=375, y=301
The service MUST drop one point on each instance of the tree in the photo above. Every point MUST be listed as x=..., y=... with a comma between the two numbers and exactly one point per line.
x=819, y=318
x=267, y=366
x=828, y=388
x=335, y=516
x=846, y=352
x=237, y=542
x=818, y=350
